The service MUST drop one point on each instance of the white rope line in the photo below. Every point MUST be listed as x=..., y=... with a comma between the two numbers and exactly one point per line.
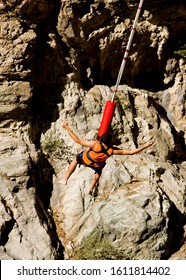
x=127, y=48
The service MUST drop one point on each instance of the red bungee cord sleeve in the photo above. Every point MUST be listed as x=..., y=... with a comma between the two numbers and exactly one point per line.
x=107, y=118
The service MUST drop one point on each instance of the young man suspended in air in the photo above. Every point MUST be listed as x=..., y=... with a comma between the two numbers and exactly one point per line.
x=97, y=154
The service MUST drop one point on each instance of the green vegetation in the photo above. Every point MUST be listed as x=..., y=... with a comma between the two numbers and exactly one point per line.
x=125, y=103
x=53, y=146
x=123, y=99
x=182, y=51
x=97, y=247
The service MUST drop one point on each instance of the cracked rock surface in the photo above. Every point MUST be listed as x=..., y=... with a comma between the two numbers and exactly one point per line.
x=60, y=60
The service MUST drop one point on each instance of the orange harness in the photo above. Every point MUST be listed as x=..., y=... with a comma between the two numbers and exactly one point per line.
x=98, y=156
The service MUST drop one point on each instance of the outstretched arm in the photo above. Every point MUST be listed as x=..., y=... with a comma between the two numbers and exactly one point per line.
x=76, y=138
x=135, y=151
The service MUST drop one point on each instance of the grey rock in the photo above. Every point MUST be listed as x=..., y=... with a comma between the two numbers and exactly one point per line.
x=54, y=62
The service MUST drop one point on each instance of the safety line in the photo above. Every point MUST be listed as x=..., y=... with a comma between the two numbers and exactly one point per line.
x=127, y=49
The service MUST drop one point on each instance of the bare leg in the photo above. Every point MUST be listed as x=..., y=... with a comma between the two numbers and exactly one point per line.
x=70, y=170
x=94, y=181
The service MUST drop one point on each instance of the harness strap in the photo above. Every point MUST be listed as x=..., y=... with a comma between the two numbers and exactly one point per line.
x=89, y=157
x=103, y=150
x=95, y=162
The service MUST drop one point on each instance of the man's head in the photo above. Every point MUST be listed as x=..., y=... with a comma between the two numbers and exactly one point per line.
x=106, y=138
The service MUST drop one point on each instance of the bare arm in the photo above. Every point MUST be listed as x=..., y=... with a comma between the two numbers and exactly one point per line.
x=76, y=139
x=134, y=151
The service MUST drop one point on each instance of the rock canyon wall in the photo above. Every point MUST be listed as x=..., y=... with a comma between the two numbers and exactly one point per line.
x=60, y=60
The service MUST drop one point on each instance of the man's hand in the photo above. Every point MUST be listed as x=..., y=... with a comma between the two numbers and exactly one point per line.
x=64, y=124
x=149, y=143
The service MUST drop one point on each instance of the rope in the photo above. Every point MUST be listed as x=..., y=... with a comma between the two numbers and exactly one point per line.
x=127, y=48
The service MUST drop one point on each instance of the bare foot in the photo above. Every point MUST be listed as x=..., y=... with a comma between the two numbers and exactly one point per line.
x=63, y=181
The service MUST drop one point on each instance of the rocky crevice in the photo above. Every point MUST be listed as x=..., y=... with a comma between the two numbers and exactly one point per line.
x=8, y=225
x=179, y=152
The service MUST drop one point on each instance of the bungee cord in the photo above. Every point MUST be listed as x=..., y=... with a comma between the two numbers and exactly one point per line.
x=127, y=48
x=110, y=105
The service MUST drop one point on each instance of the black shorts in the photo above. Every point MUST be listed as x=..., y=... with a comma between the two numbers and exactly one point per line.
x=96, y=169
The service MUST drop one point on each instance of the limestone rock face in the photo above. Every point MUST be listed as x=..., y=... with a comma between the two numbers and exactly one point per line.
x=103, y=28
x=138, y=196
x=27, y=231
x=24, y=232
x=60, y=60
